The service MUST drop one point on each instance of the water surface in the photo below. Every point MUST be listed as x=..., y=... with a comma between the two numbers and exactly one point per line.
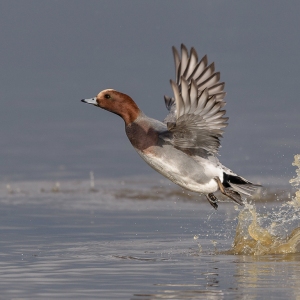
x=138, y=238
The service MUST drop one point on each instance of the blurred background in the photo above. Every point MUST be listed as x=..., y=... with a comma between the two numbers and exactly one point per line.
x=54, y=53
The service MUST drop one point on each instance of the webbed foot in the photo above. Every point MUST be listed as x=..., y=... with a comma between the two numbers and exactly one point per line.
x=212, y=199
x=235, y=196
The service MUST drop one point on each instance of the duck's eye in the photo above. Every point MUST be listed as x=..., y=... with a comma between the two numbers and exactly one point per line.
x=107, y=96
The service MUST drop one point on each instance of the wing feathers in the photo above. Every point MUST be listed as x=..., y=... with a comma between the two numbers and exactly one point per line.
x=220, y=97
x=178, y=100
x=193, y=96
x=184, y=59
x=191, y=64
x=201, y=102
x=185, y=95
x=196, y=117
x=214, y=78
x=177, y=63
x=208, y=71
x=219, y=87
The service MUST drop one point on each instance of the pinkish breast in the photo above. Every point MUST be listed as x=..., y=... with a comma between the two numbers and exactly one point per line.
x=142, y=136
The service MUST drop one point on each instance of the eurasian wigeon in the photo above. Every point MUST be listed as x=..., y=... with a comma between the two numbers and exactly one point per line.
x=183, y=148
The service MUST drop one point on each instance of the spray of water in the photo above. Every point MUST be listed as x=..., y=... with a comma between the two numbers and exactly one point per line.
x=275, y=232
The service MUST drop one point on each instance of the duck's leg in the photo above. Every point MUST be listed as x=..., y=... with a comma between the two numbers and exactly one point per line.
x=235, y=196
x=212, y=199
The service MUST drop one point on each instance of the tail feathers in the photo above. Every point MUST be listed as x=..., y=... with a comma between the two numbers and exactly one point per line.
x=239, y=184
x=246, y=190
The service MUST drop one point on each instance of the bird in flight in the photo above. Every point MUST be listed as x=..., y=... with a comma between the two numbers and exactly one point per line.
x=184, y=146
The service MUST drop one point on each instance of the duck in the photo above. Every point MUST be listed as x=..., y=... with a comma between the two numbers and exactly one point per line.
x=184, y=147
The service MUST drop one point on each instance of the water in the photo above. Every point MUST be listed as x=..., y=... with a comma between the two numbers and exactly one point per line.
x=273, y=231
x=143, y=238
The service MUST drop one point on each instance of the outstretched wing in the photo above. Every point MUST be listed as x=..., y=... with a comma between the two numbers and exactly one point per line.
x=195, y=118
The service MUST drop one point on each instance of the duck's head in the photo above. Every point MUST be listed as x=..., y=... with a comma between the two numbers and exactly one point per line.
x=117, y=103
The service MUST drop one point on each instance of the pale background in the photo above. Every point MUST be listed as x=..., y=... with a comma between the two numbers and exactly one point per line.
x=54, y=53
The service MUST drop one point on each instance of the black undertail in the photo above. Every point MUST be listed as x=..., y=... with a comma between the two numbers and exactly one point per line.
x=233, y=186
x=239, y=184
x=227, y=179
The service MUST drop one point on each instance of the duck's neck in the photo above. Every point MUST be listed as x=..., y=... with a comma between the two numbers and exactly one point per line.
x=130, y=114
x=127, y=109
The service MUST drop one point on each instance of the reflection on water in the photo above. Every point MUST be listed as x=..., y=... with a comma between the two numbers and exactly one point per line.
x=280, y=235
x=144, y=239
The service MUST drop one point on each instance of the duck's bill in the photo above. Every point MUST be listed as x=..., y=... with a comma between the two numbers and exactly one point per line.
x=90, y=101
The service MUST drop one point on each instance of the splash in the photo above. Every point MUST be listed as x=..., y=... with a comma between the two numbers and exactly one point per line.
x=269, y=233
x=296, y=181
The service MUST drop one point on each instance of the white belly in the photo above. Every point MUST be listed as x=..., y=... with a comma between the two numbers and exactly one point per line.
x=186, y=172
